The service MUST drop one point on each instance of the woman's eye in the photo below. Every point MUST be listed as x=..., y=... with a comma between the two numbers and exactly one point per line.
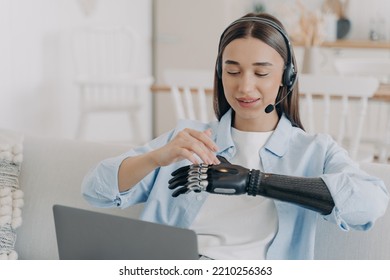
x=261, y=74
x=233, y=72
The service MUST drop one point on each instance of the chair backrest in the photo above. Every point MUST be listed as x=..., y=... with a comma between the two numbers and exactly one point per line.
x=188, y=90
x=105, y=60
x=371, y=67
x=334, y=97
x=104, y=53
x=377, y=125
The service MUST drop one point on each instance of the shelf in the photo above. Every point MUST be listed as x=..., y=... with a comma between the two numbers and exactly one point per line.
x=362, y=44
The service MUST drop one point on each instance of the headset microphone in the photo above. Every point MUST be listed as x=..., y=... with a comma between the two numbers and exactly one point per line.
x=271, y=107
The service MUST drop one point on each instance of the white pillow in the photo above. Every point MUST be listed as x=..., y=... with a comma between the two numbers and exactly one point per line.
x=11, y=197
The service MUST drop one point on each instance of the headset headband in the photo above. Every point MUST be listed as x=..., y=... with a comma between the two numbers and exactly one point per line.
x=266, y=21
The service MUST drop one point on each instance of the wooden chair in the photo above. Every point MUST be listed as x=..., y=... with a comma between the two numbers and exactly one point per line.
x=379, y=112
x=106, y=61
x=336, y=105
x=188, y=93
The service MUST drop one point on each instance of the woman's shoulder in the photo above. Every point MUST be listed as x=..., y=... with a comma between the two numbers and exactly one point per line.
x=301, y=136
x=296, y=135
x=194, y=124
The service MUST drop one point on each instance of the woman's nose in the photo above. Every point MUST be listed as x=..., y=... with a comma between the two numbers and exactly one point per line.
x=246, y=83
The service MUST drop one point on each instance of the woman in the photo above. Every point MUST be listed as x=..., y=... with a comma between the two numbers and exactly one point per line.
x=258, y=135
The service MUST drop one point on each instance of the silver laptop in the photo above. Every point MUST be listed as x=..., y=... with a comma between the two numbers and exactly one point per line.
x=88, y=235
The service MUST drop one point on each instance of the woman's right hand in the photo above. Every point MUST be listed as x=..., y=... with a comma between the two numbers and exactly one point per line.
x=196, y=146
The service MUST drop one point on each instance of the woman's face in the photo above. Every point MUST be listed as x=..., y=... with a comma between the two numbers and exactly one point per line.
x=251, y=76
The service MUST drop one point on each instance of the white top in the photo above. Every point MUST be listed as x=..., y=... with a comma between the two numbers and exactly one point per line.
x=238, y=227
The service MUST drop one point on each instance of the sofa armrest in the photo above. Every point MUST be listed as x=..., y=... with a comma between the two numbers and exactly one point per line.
x=335, y=244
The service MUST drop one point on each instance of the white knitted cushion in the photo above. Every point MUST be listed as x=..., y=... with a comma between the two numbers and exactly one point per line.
x=11, y=197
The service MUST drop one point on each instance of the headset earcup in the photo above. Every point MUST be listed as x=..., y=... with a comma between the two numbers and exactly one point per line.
x=289, y=76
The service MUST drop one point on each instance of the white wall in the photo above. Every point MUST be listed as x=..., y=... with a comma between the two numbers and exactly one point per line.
x=37, y=94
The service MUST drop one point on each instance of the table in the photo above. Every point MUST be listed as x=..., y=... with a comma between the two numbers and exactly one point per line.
x=382, y=93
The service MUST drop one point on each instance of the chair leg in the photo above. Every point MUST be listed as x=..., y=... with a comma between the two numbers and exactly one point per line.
x=383, y=152
x=80, y=131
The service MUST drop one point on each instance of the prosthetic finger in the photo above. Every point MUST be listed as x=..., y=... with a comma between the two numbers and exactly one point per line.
x=222, y=159
x=177, y=182
x=196, y=186
x=179, y=191
x=183, y=169
x=178, y=177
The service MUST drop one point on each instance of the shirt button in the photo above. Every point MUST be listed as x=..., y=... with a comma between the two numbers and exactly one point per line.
x=199, y=197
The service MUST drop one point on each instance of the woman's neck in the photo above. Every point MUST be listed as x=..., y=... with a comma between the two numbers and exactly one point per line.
x=268, y=123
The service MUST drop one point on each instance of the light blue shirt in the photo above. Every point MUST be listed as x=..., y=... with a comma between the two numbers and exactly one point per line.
x=359, y=198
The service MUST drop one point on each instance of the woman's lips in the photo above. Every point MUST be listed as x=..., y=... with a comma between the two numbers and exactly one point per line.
x=247, y=102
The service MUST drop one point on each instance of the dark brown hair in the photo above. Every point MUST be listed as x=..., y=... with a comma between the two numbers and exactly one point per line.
x=272, y=37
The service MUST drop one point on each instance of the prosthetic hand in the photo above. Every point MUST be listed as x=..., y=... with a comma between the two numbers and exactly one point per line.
x=230, y=179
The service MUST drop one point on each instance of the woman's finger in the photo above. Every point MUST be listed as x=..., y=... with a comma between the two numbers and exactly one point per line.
x=206, y=144
x=195, y=146
x=205, y=138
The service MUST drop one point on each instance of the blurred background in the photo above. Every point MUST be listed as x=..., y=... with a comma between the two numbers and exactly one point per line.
x=38, y=78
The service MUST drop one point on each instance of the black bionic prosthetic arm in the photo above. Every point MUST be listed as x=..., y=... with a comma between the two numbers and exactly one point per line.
x=229, y=179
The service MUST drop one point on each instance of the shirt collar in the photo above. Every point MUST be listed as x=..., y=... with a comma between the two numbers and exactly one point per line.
x=277, y=144
x=223, y=134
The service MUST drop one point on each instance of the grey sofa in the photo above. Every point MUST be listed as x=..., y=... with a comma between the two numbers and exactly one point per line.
x=53, y=169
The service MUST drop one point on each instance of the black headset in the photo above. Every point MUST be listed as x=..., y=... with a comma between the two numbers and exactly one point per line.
x=289, y=74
